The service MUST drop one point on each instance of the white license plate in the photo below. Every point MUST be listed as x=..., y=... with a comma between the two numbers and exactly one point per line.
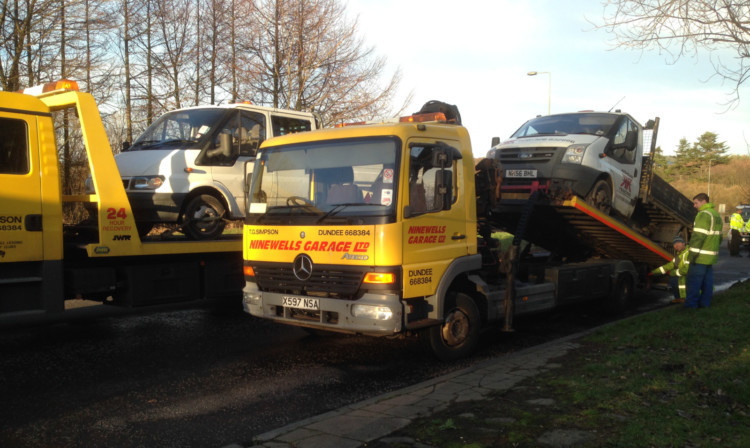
x=520, y=173
x=306, y=303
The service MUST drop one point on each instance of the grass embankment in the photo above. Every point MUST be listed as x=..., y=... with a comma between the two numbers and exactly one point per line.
x=669, y=378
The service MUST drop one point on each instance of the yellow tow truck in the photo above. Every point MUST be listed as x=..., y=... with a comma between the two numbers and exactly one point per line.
x=375, y=230
x=43, y=262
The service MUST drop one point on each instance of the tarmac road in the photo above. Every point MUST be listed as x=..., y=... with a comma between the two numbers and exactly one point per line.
x=188, y=378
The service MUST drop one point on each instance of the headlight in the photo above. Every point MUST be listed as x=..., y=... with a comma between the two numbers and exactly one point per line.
x=574, y=154
x=147, y=182
x=251, y=298
x=372, y=312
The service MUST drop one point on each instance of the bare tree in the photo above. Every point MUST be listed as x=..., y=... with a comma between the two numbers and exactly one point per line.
x=679, y=28
x=308, y=56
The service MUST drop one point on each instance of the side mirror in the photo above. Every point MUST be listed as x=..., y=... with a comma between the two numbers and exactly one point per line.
x=495, y=141
x=125, y=146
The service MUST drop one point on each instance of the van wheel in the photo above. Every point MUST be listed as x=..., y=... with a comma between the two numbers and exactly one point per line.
x=457, y=337
x=204, y=218
x=601, y=196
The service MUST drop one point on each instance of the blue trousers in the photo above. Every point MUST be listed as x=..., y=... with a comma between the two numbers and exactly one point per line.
x=700, y=285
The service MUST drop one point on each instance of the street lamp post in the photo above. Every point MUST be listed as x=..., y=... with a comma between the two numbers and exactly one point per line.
x=549, y=87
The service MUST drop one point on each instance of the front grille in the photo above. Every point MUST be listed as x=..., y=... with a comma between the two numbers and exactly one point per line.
x=527, y=155
x=324, y=282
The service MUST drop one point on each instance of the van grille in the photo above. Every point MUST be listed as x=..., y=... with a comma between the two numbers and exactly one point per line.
x=527, y=155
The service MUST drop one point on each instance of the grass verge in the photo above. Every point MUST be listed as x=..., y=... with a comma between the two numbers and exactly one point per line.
x=669, y=378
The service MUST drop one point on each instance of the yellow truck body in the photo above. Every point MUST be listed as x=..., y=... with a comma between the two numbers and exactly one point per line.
x=42, y=261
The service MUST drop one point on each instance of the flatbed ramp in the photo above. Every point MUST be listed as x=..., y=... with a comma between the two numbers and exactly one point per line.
x=576, y=231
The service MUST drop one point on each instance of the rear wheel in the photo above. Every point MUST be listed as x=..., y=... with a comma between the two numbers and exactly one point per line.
x=622, y=294
x=204, y=217
x=601, y=196
x=457, y=337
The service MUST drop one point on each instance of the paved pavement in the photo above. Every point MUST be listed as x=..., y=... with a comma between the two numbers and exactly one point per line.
x=377, y=418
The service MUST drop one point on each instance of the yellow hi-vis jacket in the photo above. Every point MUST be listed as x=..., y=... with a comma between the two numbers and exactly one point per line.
x=706, y=238
x=737, y=223
x=678, y=267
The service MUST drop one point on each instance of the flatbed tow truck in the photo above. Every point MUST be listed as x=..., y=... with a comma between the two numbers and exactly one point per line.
x=375, y=230
x=43, y=262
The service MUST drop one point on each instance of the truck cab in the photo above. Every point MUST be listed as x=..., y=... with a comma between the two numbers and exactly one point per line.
x=192, y=165
x=594, y=155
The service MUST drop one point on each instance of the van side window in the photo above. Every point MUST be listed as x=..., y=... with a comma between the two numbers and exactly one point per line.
x=14, y=149
x=287, y=125
x=252, y=132
x=625, y=154
x=244, y=132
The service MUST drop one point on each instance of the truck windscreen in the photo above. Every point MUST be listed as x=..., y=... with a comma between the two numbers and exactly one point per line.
x=328, y=180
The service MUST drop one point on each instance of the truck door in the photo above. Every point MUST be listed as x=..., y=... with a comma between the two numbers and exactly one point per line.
x=247, y=130
x=435, y=224
x=20, y=189
x=623, y=163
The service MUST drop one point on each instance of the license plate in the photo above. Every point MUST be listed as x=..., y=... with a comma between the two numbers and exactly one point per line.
x=306, y=303
x=520, y=173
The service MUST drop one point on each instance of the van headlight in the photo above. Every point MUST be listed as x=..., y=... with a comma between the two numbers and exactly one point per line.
x=146, y=182
x=574, y=154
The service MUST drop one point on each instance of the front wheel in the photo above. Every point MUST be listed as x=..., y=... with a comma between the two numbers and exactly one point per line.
x=457, y=337
x=204, y=218
x=601, y=196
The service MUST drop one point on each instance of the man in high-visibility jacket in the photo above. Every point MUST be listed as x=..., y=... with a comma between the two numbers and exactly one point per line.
x=677, y=270
x=737, y=226
x=703, y=253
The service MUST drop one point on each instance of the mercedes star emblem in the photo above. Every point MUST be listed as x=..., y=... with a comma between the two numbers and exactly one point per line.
x=302, y=267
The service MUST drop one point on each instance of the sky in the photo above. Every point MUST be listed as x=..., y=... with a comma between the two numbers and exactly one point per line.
x=476, y=54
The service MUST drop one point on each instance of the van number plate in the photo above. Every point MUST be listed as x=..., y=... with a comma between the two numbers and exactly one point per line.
x=520, y=173
x=300, y=302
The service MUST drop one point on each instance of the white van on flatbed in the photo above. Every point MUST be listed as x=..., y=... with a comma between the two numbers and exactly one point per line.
x=192, y=166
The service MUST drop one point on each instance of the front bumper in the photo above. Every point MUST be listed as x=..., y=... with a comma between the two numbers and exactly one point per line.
x=333, y=314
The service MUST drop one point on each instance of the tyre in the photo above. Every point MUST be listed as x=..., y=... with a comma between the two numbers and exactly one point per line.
x=621, y=296
x=204, y=218
x=600, y=196
x=457, y=337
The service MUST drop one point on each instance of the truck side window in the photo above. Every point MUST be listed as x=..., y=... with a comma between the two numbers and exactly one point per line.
x=288, y=125
x=14, y=149
x=424, y=180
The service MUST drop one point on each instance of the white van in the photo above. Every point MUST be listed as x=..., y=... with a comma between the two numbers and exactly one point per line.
x=595, y=155
x=192, y=166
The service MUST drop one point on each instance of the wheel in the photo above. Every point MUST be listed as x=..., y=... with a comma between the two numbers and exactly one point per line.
x=620, y=298
x=457, y=337
x=297, y=200
x=204, y=217
x=600, y=196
